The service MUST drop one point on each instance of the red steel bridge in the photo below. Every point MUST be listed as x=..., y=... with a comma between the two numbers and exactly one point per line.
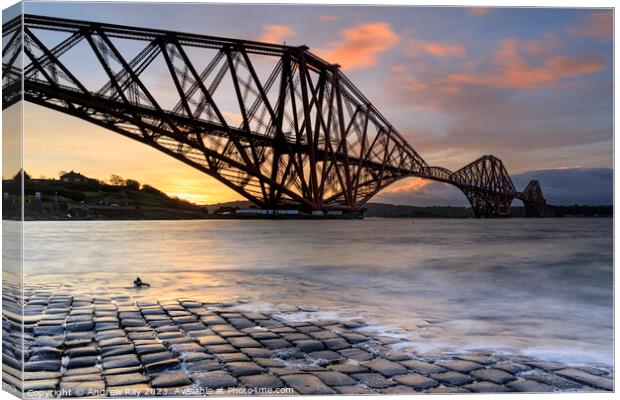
x=275, y=123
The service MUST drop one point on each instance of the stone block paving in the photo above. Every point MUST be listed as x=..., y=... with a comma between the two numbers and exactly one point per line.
x=101, y=346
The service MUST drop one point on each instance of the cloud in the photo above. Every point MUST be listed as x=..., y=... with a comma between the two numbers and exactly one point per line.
x=479, y=11
x=437, y=49
x=276, y=33
x=327, y=18
x=596, y=25
x=360, y=45
x=410, y=185
x=398, y=69
x=511, y=68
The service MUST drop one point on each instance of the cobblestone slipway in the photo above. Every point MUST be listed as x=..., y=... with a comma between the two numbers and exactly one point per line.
x=82, y=345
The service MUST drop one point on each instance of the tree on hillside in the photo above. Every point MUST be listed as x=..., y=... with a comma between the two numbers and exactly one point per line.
x=132, y=184
x=117, y=180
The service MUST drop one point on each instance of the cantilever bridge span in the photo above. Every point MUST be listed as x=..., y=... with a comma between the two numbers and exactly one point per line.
x=275, y=123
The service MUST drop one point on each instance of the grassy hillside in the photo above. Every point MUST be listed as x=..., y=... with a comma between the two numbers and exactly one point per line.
x=95, y=200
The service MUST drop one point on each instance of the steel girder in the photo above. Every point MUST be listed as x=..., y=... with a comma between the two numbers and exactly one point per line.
x=275, y=123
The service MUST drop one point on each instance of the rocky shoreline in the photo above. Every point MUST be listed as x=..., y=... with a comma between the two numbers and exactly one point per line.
x=76, y=345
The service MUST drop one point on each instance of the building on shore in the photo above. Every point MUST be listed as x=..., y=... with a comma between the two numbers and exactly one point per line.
x=75, y=177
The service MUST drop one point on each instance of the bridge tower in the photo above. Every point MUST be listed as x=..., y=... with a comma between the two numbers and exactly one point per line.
x=487, y=185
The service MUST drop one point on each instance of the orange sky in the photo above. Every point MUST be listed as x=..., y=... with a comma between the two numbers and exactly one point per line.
x=54, y=142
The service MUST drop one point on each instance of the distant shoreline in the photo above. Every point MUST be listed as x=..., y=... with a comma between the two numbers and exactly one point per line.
x=278, y=218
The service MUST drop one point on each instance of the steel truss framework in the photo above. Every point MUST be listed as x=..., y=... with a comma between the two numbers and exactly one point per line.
x=300, y=132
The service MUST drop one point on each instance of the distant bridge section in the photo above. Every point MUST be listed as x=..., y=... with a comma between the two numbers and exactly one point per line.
x=275, y=123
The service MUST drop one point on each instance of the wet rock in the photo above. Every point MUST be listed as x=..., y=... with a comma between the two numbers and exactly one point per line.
x=422, y=367
x=212, y=340
x=510, y=367
x=291, y=337
x=43, y=365
x=241, y=323
x=90, y=350
x=477, y=358
x=356, y=354
x=150, y=349
x=254, y=315
x=274, y=344
x=186, y=347
x=459, y=365
x=258, y=353
x=586, y=378
x=127, y=360
x=191, y=356
x=48, y=330
x=492, y=375
x=117, y=350
x=357, y=389
x=265, y=335
x=386, y=367
x=81, y=326
x=307, y=384
x=354, y=338
x=546, y=365
x=82, y=378
x=109, y=334
x=185, y=319
x=398, y=389
x=212, y=320
x=205, y=366
x=82, y=371
x=376, y=381
x=486, y=387
x=81, y=362
x=309, y=345
x=261, y=381
x=327, y=355
x=336, y=343
x=334, y=378
x=171, y=379
x=232, y=357
x=348, y=367
x=222, y=348
x=452, y=378
x=592, y=370
x=322, y=334
x=552, y=379
x=241, y=368
x=417, y=381
x=156, y=357
x=216, y=380
x=243, y=342
x=304, y=329
x=46, y=353
x=47, y=341
x=40, y=384
x=34, y=376
x=529, y=386
x=117, y=341
x=396, y=355
x=161, y=365
x=195, y=326
x=141, y=335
